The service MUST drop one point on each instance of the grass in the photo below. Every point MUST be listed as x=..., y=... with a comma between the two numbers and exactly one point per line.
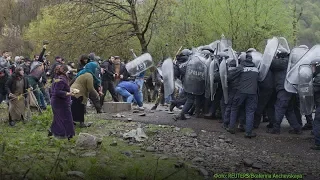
x=27, y=152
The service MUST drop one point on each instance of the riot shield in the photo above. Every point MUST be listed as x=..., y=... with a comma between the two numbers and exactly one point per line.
x=140, y=64
x=224, y=82
x=178, y=84
x=159, y=71
x=305, y=89
x=294, y=57
x=213, y=86
x=209, y=48
x=256, y=58
x=194, y=79
x=199, y=48
x=307, y=58
x=268, y=55
x=284, y=43
x=215, y=45
x=168, y=77
x=232, y=55
x=207, y=90
x=224, y=44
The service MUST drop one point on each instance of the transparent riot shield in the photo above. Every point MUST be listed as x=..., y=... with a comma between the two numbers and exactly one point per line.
x=224, y=82
x=307, y=58
x=284, y=43
x=214, y=67
x=256, y=58
x=159, y=71
x=232, y=55
x=305, y=89
x=296, y=54
x=178, y=84
x=168, y=77
x=194, y=79
x=140, y=64
x=268, y=55
x=224, y=43
x=215, y=45
x=207, y=90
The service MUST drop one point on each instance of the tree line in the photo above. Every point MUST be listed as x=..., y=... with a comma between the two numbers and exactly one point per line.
x=160, y=27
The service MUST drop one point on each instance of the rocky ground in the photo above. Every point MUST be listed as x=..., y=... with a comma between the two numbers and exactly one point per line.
x=212, y=150
x=200, y=145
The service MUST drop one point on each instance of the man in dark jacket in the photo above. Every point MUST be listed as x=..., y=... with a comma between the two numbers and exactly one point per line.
x=247, y=94
x=3, y=79
x=283, y=105
x=107, y=81
x=180, y=72
x=233, y=82
x=26, y=66
x=266, y=90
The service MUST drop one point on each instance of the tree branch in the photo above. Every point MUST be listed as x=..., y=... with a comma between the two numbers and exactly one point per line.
x=151, y=33
x=150, y=16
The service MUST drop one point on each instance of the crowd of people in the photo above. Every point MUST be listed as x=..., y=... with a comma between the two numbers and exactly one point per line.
x=66, y=87
x=238, y=93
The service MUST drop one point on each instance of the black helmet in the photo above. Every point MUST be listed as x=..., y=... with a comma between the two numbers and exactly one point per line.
x=186, y=52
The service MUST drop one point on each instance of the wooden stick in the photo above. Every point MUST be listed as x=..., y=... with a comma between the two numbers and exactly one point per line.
x=177, y=54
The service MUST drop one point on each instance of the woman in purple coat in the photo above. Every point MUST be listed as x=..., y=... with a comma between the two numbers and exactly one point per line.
x=62, y=125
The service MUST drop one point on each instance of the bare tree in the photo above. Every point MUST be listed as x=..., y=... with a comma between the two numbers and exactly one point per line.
x=122, y=15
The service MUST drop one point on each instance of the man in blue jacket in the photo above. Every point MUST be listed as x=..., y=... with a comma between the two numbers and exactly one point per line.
x=130, y=92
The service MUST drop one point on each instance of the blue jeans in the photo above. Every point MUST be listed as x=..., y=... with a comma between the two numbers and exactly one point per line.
x=127, y=97
x=140, y=82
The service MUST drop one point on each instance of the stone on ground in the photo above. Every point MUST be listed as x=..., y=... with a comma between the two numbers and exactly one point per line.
x=115, y=107
x=87, y=141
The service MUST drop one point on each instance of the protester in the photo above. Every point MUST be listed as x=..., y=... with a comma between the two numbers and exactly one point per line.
x=3, y=79
x=84, y=82
x=130, y=92
x=62, y=124
x=17, y=87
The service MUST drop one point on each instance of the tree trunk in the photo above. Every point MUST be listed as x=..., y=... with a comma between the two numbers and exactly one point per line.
x=143, y=44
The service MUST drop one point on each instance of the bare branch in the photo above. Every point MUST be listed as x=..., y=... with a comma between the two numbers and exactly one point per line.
x=151, y=33
x=150, y=16
x=120, y=24
x=300, y=14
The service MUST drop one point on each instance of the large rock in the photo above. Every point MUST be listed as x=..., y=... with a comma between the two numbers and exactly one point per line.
x=115, y=107
x=88, y=141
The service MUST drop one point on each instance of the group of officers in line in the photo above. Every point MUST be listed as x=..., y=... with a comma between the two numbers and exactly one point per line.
x=247, y=86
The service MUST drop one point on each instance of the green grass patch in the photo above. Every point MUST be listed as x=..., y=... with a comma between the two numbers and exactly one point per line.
x=26, y=151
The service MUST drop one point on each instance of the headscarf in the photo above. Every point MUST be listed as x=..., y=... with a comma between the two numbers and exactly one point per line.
x=91, y=68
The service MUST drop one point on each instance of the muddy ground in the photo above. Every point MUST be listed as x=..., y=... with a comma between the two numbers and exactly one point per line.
x=217, y=151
